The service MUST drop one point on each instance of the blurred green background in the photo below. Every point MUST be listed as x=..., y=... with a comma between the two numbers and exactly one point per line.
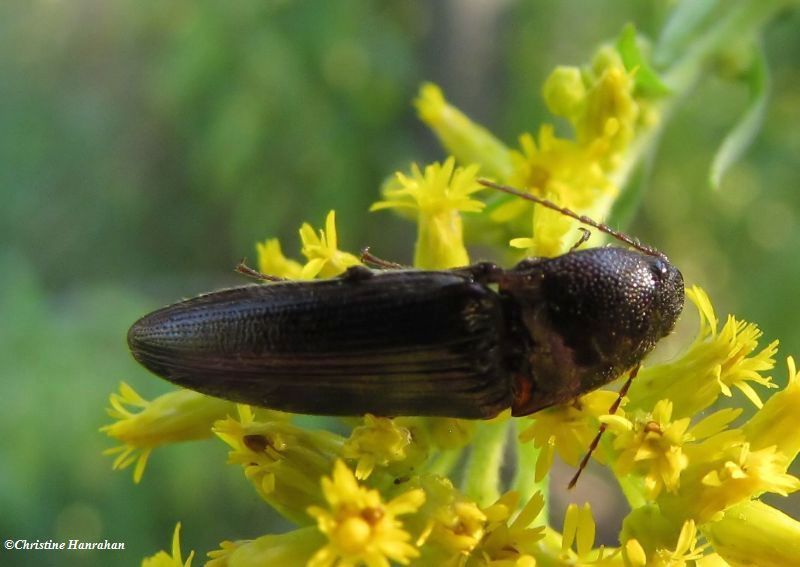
x=145, y=146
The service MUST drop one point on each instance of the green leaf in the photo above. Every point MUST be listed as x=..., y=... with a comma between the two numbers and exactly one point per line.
x=749, y=124
x=684, y=24
x=647, y=79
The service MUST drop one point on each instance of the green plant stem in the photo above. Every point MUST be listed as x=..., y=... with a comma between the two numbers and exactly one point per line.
x=524, y=478
x=741, y=21
x=633, y=490
x=482, y=474
x=444, y=463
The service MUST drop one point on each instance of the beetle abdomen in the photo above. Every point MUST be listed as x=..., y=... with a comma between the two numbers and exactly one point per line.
x=397, y=343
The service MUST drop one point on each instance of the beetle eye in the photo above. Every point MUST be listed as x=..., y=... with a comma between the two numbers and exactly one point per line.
x=660, y=268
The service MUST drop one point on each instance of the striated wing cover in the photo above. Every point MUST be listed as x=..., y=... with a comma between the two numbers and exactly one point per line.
x=398, y=343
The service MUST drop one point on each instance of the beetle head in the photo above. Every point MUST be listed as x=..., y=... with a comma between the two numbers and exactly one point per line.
x=590, y=315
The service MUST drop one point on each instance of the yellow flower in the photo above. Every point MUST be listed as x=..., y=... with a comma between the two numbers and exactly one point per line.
x=559, y=166
x=290, y=549
x=449, y=524
x=553, y=233
x=282, y=461
x=708, y=487
x=599, y=103
x=653, y=444
x=467, y=141
x=182, y=415
x=564, y=92
x=685, y=551
x=752, y=533
x=778, y=422
x=578, y=173
x=757, y=472
x=716, y=361
x=509, y=538
x=438, y=196
x=325, y=260
x=568, y=429
x=448, y=432
x=577, y=540
x=581, y=173
x=379, y=442
x=611, y=112
x=360, y=527
x=711, y=560
x=565, y=172
x=163, y=559
x=272, y=262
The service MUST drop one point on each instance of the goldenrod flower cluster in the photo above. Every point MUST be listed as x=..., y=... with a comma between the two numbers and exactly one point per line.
x=384, y=494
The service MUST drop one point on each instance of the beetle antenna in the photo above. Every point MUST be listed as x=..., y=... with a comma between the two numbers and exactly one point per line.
x=603, y=426
x=621, y=236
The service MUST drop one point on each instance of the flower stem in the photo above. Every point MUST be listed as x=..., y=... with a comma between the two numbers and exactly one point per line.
x=482, y=473
x=444, y=463
x=737, y=22
x=524, y=479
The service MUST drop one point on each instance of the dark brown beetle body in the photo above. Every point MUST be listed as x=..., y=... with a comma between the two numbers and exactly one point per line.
x=409, y=342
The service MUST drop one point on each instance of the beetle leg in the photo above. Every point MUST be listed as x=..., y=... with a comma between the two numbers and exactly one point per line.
x=246, y=270
x=596, y=441
x=584, y=237
x=368, y=258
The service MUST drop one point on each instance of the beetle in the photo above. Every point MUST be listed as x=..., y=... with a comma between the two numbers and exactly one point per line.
x=468, y=342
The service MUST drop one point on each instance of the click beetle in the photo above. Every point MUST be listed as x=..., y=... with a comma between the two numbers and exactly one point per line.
x=468, y=342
